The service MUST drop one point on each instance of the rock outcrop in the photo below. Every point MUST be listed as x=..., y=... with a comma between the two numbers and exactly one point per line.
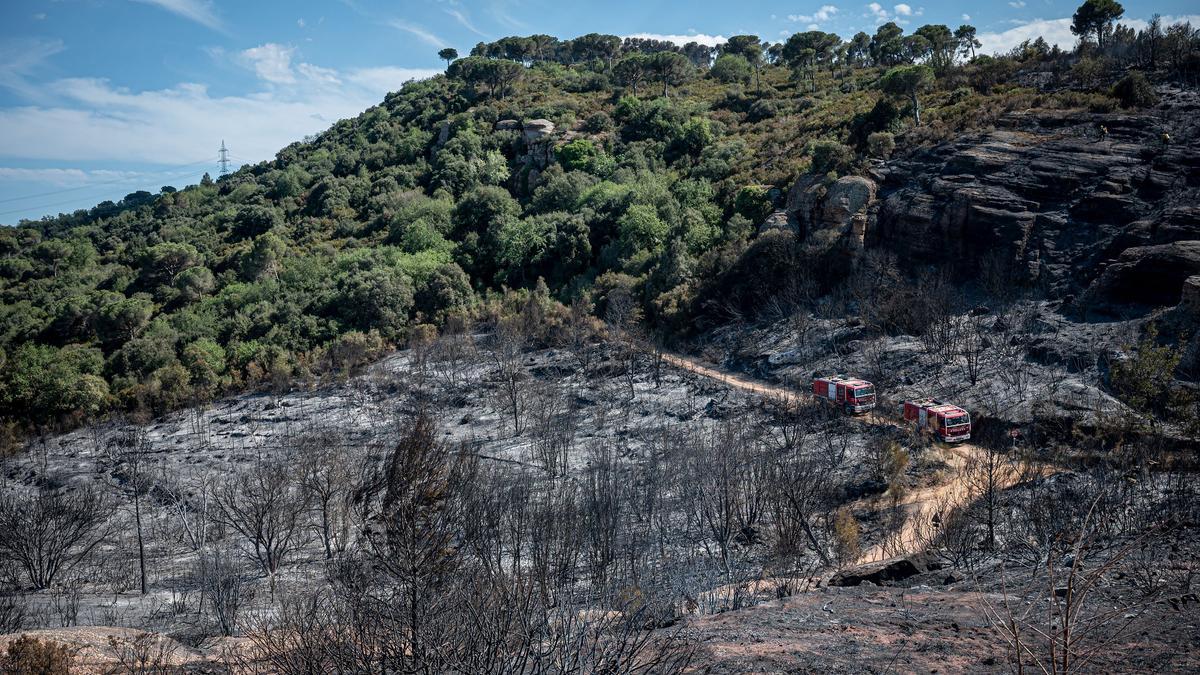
x=1147, y=275
x=882, y=572
x=537, y=130
x=1112, y=221
x=843, y=207
x=539, y=139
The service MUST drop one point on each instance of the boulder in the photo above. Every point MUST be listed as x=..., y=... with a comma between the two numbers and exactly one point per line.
x=508, y=125
x=1151, y=276
x=881, y=572
x=843, y=206
x=1189, y=297
x=778, y=220
x=537, y=130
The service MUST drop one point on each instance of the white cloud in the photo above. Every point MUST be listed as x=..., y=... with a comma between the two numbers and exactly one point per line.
x=822, y=15
x=707, y=40
x=22, y=57
x=300, y=22
x=93, y=120
x=966, y=17
x=386, y=78
x=881, y=15
x=902, y=10
x=1017, y=5
x=272, y=62
x=64, y=177
x=1140, y=24
x=1054, y=31
x=465, y=21
x=419, y=32
x=200, y=11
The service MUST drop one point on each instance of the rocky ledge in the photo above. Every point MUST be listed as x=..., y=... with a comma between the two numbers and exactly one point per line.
x=1108, y=220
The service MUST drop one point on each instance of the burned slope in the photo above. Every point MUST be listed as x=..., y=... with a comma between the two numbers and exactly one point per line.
x=1094, y=208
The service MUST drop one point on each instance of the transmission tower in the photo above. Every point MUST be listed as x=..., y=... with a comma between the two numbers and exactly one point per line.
x=224, y=161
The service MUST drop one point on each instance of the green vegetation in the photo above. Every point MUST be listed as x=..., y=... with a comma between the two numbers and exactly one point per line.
x=435, y=203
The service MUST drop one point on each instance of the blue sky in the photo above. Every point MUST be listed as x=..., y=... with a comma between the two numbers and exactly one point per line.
x=99, y=98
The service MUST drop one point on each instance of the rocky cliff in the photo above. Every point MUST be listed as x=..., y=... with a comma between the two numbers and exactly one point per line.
x=1097, y=209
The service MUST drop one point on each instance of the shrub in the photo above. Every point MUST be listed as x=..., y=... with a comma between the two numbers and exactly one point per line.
x=961, y=94
x=881, y=144
x=577, y=155
x=831, y=157
x=846, y=530
x=1134, y=91
x=598, y=122
x=754, y=203
x=30, y=656
x=763, y=109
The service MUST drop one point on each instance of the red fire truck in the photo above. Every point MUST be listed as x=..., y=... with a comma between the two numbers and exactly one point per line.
x=852, y=394
x=949, y=423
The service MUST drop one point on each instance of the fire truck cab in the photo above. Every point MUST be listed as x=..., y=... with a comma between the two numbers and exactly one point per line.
x=852, y=394
x=950, y=423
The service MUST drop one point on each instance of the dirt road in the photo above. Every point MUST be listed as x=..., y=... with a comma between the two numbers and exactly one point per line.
x=922, y=506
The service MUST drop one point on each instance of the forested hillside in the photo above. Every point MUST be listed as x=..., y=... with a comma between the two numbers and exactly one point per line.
x=582, y=169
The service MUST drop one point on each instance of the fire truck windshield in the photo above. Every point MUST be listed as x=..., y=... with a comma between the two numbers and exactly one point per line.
x=958, y=421
x=863, y=392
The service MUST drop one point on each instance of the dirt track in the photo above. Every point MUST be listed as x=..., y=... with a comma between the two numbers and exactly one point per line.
x=920, y=505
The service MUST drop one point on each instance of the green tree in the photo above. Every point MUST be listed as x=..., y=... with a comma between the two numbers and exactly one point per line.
x=577, y=155
x=448, y=54
x=807, y=51
x=670, y=68
x=521, y=244
x=967, y=42
x=163, y=262
x=1135, y=91
x=632, y=70
x=205, y=362
x=1095, y=17
x=750, y=48
x=908, y=81
x=265, y=257
x=731, y=69
x=887, y=46
x=195, y=283
x=377, y=298
x=497, y=74
x=641, y=229
x=753, y=202
x=42, y=383
x=942, y=45
x=120, y=321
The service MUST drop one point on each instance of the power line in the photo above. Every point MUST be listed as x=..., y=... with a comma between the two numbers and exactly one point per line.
x=71, y=201
x=106, y=182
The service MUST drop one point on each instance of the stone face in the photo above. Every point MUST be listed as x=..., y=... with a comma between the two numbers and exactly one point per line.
x=843, y=206
x=1061, y=207
x=536, y=130
x=539, y=141
x=778, y=220
x=1148, y=275
x=1189, y=301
